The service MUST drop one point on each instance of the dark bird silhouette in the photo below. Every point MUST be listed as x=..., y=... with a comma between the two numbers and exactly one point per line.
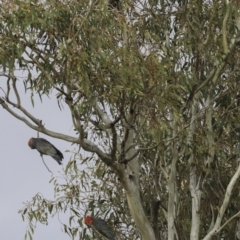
x=114, y=4
x=45, y=148
x=100, y=226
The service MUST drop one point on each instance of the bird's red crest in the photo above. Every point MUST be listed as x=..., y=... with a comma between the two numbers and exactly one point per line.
x=88, y=220
x=30, y=143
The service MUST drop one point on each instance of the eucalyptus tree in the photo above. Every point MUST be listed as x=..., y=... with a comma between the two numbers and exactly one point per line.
x=153, y=92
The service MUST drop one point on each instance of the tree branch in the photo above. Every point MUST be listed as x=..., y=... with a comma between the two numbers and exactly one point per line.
x=154, y=214
x=135, y=206
x=125, y=161
x=227, y=222
x=195, y=189
x=171, y=213
x=85, y=144
x=114, y=143
x=106, y=120
x=224, y=206
x=37, y=128
x=18, y=105
x=224, y=28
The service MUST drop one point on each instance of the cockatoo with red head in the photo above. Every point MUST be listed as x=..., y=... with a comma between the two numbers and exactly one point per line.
x=101, y=227
x=44, y=147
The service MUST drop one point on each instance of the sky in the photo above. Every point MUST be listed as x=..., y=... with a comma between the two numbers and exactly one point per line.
x=22, y=172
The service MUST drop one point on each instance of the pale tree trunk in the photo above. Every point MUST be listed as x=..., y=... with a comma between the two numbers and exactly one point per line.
x=194, y=181
x=172, y=195
x=135, y=205
x=138, y=214
x=196, y=200
x=130, y=179
x=237, y=233
x=217, y=226
x=133, y=165
x=129, y=175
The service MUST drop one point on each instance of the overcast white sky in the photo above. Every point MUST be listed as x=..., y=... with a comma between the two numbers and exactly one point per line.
x=22, y=173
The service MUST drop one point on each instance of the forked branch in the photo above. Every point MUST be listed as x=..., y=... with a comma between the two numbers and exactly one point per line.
x=38, y=126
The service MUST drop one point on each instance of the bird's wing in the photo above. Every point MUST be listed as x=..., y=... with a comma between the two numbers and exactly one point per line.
x=102, y=227
x=45, y=147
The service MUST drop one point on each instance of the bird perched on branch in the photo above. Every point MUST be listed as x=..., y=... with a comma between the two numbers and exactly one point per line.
x=100, y=226
x=45, y=148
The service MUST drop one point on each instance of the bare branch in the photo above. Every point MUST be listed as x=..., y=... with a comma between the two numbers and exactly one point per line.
x=16, y=92
x=38, y=128
x=227, y=222
x=224, y=206
x=103, y=115
x=114, y=143
x=122, y=154
x=108, y=123
x=172, y=184
x=86, y=145
x=224, y=28
x=103, y=127
x=18, y=105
